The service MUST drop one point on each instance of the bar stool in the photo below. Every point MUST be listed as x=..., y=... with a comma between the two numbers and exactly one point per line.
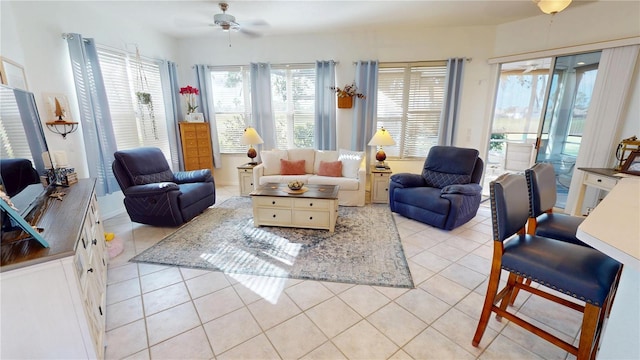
x=581, y=272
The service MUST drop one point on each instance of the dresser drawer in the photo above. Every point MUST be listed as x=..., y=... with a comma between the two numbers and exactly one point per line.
x=273, y=201
x=307, y=218
x=274, y=216
x=311, y=203
x=600, y=181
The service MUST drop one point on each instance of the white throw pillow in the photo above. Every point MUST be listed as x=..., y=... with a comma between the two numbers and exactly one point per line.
x=303, y=154
x=271, y=161
x=350, y=162
x=326, y=156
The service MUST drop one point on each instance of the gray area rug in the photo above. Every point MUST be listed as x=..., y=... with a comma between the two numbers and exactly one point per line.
x=364, y=249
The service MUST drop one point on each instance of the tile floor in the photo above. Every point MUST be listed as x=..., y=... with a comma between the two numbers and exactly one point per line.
x=163, y=312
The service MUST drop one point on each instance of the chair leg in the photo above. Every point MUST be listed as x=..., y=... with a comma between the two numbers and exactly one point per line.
x=510, y=294
x=492, y=290
x=588, y=344
x=514, y=295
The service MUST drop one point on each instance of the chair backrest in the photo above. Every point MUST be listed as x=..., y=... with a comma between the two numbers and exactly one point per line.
x=447, y=165
x=509, y=205
x=141, y=166
x=541, y=184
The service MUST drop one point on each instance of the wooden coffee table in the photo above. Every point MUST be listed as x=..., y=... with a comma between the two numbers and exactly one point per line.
x=315, y=207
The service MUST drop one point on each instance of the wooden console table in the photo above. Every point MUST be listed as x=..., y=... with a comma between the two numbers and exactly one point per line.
x=599, y=178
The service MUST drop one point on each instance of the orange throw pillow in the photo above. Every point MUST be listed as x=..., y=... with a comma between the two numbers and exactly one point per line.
x=291, y=167
x=330, y=168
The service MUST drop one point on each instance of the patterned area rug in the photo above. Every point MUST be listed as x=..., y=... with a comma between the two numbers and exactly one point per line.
x=364, y=249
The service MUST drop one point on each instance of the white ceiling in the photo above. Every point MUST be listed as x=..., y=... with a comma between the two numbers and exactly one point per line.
x=182, y=19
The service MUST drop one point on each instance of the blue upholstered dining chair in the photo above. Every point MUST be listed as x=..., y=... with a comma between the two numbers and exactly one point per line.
x=155, y=195
x=580, y=272
x=446, y=195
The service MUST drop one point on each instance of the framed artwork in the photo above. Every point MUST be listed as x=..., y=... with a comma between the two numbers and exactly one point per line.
x=632, y=165
x=12, y=74
x=57, y=105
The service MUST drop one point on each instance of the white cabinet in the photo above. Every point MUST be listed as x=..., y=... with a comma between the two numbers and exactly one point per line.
x=245, y=177
x=301, y=213
x=53, y=300
x=380, y=185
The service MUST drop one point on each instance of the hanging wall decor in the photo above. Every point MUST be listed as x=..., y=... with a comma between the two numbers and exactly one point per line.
x=346, y=95
x=144, y=101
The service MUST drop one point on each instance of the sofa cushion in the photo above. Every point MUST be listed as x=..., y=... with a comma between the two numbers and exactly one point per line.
x=342, y=182
x=447, y=165
x=271, y=161
x=324, y=155
x=308, y=155
x=145, y=165
x=350, y=162
x=291, y=167
x=330, y=168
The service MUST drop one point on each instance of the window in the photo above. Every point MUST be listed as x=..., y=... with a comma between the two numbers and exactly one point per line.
x=293, y=99
x=135, y=123
x=232, y=103
x=410, y=101
x=12, y=132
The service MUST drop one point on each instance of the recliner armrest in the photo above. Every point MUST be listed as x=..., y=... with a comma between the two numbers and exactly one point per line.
x=150, y=189
x=407, y=180
x=182, y=177
x=463, y=189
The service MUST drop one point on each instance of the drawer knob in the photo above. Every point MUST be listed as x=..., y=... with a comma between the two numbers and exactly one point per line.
x=310, y=217
x=94, y=241
x=310, y=204
x=274, y=216
x=599, y=180
x=273, y=203
x=90, y=270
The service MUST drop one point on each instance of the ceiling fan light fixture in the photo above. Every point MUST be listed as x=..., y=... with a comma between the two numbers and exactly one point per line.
x=552, y=6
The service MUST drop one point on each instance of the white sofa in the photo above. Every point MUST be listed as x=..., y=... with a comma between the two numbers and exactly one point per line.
x=351, y=183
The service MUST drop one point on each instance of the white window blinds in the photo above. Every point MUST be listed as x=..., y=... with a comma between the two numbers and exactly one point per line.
x=410, y=102
x=135, y=123
x=293, y=99
x=232, y=104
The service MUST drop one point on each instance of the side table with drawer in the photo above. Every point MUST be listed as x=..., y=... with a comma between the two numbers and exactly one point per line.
x=380, y=185
x=599, y=178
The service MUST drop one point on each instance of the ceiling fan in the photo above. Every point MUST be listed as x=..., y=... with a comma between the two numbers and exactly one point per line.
x=227, y=22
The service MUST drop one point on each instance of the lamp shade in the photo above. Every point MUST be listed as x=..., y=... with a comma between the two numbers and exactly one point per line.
x=552, y=6
x=382, y=138
x=250, y=137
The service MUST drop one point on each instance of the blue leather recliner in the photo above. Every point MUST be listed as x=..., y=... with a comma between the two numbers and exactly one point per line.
x=447, y=193
x=154, y=195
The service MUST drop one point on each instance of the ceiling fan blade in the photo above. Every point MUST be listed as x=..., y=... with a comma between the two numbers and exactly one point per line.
x=250, y=33
x=257, y=22
x=190, y=23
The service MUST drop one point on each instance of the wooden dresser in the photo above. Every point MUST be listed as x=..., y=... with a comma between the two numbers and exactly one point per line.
x=54, y=299
x=196, y=146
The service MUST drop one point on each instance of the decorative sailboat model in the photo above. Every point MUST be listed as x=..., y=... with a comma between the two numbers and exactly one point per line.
x=60, y=125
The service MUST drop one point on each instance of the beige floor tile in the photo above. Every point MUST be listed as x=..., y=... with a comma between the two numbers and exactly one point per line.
x=160, y=279
x=124, y=312
x=472, y=305
x=477, y=236
x=258, y=347
x=308, y=293
x=477, y=263
x=188, y=273
x=123, y=290
x=207, y=283
x=430, y=344
x=446, y=251
x=326, y=351
x=126, y=340
x=534, y=343
x=116, y=274
x=391, y=293
x=462, y=243
x=445, y=289
x=423, y=305
x=146, y=269
x=217, y=304
x=396, y=323
x=231, y=330
x=431, y=261
x=504, y=348
x=192, y=344
x=554, y=315
x=253, y=288
x=422, y=240
x=460, y=328
x=296, y=337
x=400, y=355
x=419, y=274
x=336, y=287
x=140, y=355
x=363, y=341
x=268, y=315
x=164, y=298
x=333, y=316
x=464, y=276
x=171, y=322
x=364, y=299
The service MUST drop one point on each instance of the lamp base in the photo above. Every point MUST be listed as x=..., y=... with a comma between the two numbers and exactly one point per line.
x=381, y=165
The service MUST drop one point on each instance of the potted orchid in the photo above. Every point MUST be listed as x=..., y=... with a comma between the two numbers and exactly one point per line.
x=346, y=94
x=189, y=93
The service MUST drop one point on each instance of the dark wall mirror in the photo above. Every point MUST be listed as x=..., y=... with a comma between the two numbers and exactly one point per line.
x=22, y=144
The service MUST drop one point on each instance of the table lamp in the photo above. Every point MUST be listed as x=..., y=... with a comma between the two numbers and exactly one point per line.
x=250, y=137
x=381, y=138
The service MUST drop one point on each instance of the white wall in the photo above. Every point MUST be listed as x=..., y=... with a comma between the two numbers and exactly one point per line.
x=31, y=35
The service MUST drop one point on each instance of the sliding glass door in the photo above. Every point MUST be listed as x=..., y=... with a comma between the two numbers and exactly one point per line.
x=540, y=112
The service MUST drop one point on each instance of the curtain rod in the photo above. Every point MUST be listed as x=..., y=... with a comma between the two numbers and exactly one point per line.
x=286, y=64
x=414, y=62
